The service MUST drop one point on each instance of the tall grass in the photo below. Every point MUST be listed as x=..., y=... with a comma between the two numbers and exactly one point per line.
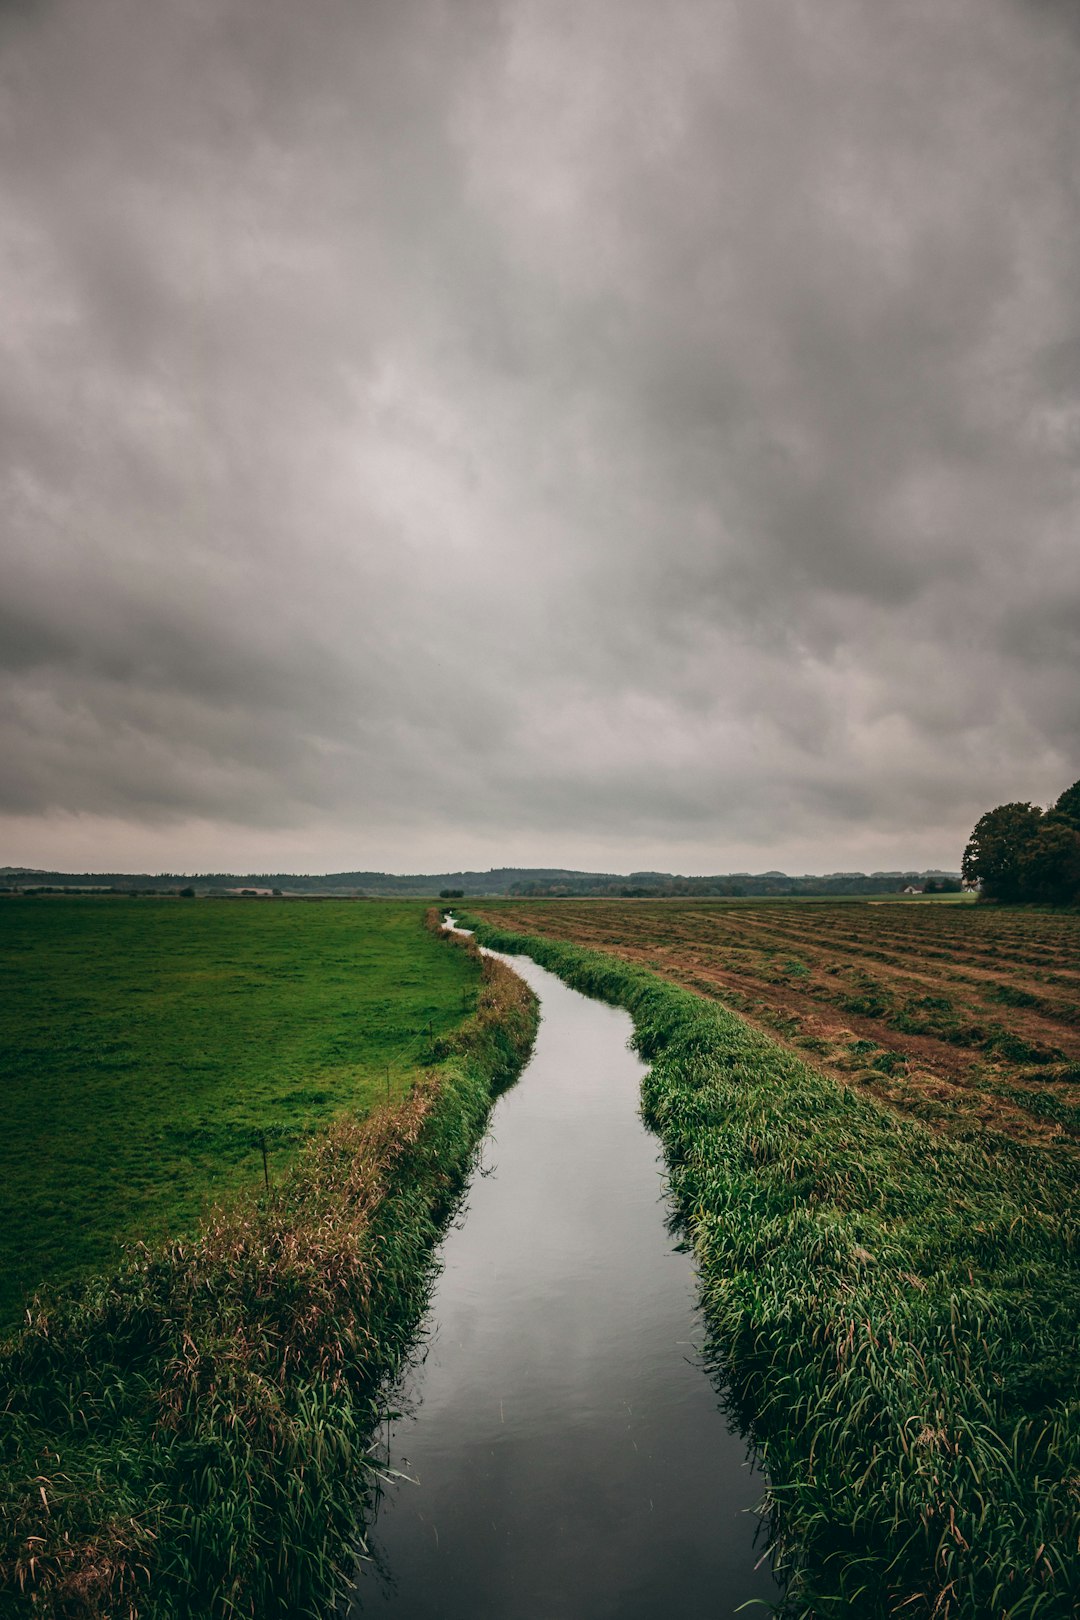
x=894, y=1314
x=187, y=1437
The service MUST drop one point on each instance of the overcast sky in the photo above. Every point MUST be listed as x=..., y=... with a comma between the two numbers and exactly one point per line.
x=607, y=433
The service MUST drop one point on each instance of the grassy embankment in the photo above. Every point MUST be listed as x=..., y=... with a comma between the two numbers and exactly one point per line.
x=185, y=1437
x=895, y=1310
x=146, y=1045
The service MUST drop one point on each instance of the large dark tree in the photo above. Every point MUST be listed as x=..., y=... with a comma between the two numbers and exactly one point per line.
x=1068, y=806
x=995, y=852
x=1019, y=853
x=1050, y=863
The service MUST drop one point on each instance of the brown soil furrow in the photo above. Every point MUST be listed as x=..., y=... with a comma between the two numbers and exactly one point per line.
x=731, y=952
x=901, y=943
x=944, y=1076
x=1045, y=1025
x=1044, y=1021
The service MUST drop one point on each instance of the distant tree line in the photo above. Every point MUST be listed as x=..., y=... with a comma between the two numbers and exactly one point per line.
x=660, y=886
x=1020, y=852
x=524, y=881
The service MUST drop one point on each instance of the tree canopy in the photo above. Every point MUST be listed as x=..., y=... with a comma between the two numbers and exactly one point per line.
x=1021, y=852
x=1068, y=807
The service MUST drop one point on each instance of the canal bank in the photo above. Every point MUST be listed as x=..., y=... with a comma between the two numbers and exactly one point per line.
x=564, y=1451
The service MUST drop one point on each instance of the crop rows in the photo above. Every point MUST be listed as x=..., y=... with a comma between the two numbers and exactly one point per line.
x=967, y=1017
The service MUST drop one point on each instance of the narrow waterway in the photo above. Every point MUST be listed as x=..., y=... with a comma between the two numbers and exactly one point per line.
x=565, y=1453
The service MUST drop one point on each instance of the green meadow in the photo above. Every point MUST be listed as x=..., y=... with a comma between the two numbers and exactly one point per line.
x=148, y=1047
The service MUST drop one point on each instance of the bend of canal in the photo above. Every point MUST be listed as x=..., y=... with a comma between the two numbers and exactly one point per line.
x=565, y=1453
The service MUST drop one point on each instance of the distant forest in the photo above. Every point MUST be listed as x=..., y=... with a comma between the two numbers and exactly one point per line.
x=507, y=880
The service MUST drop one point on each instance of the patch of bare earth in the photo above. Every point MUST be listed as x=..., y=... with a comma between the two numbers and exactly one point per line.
x=785, y=970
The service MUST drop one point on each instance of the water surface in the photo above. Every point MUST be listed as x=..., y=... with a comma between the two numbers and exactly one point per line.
x=569, y=1457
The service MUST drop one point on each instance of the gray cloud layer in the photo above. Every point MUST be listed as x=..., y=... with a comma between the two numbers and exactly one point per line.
x=631, y=433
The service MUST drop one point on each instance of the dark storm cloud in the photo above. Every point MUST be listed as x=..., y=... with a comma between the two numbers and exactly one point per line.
x=629, y=433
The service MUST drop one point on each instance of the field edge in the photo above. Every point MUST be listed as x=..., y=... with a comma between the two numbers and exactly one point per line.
x=187, y=1436
x=852, y=1262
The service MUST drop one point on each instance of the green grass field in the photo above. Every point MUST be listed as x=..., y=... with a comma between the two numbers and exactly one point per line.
x=145, y=1044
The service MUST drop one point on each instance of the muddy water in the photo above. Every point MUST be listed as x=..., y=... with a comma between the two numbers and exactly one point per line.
x=566, y=1456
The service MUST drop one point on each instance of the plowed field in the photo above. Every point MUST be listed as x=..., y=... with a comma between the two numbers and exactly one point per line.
x=967, y=1016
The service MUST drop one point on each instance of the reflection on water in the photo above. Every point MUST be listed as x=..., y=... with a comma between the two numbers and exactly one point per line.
x=567, y=1452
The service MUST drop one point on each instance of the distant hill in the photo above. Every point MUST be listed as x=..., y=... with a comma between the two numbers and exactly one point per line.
x=503, y=880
